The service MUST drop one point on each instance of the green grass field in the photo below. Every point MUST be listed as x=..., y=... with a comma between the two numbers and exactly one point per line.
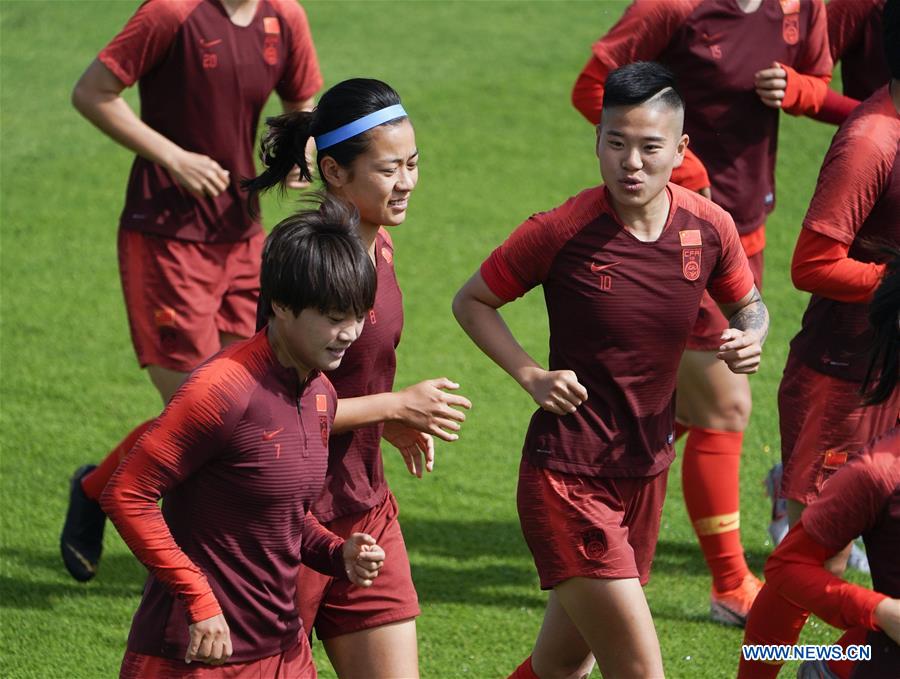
x=487, y=86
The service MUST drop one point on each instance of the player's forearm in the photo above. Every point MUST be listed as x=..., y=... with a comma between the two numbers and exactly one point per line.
x=304, y=105
x=484, y=325
x=363, y=411
x=752, y=318
x=805, y=94
x=320, y=549
x=822, y=266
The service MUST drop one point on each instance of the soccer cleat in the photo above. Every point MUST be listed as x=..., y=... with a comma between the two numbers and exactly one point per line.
x=815, y=669
x=733, y=607
x=778, y=527
x=81, y=542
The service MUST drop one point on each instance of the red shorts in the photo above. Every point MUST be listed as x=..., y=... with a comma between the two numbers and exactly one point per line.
x=589, y=527
x=335, y=607
x=711, y=322
x=822, y=423
x=296, y=663
x=180, y=295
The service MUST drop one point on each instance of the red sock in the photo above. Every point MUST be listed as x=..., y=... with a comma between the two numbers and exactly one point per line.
x=524, y=671
x=710, y=479
x=680, y=429
x=853, y=636
x=772, y=620
x=93, y=484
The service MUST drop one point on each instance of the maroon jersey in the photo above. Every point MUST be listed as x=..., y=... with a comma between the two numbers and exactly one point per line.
x=355, y=480
x=203, y=82
x=857, y=198
x=856, y=37
x=715, y=49
x=863, y=498
x=238, y=456
x=620, y=313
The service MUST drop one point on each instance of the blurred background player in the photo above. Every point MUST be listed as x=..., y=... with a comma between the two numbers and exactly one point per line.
x=861, y=498
x=239, y=456
x=366, y=156
x=738, y=63
x=855, y=206
x=188, y=248
x=595, y=460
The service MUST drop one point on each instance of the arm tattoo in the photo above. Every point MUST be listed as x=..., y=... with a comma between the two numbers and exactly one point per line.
x=752, y=318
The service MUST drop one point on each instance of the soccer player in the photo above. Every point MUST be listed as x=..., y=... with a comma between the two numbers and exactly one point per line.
x=856, y=204
x=738, y=62
x=188, y=247
x=623, y=268
x=367, y=156
x=239, y=456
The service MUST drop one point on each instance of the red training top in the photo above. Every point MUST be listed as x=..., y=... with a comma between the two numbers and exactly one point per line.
x=857, y=197
x=862, y=498
x=203, y=82
x=620, y=313
x=714, y=50
x=856, y=37
x=239, y=455
x=355, y=480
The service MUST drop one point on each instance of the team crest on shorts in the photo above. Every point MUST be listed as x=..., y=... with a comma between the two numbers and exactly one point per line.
x=594, y=542
x=690, y=263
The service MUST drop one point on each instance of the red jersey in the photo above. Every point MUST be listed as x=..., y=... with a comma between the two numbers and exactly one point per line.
x=238, y=456
x=857, y=197
x=714, y=49
x=863, y=498
x=856, y=37
x=620, y=313
x=203, y=82
x=355, y=480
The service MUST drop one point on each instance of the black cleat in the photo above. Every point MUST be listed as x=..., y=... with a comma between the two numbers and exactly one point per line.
x=81, y=542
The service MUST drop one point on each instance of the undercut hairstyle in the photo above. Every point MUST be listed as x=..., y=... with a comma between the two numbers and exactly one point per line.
x=890, y=20
x=883, y=372
x=284, y=143
x=314, y=259
x=641, y=81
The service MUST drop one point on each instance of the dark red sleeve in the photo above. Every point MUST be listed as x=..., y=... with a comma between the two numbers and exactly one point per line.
x=846, y=19
x=302, y=78
x=808, y=77
x=145, y=39
x=642, y=33
x=853, y=176
x=321, y=549
x=796, y=571
x=836, y=108
x=822, y=266
x=732, y=279
x=194, y=427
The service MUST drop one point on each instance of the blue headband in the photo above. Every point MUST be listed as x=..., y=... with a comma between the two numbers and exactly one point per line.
x=323, y=141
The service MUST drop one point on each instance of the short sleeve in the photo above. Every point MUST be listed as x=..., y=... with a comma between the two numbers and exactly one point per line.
x=852, y=178
x=815, y=57
x=145, y=39
x=732, y=278
x=845, y=21
x=643, y=32
x=852, y=499
x=301, y=78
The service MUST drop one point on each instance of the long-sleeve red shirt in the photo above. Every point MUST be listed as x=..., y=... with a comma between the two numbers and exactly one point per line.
x=238, y=456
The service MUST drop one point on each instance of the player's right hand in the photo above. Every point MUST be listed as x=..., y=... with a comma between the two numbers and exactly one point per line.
x=427, y=407
x=199, y=174
x=210, y=641
x=887, y=617
x=557, y=391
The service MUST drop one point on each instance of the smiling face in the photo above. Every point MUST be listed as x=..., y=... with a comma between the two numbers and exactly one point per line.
x=379, y=181
x=312, y=340
x=638, y=147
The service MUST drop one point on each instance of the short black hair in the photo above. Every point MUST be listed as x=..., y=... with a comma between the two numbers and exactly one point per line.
x=315, y=259
x=883, y=372
x=890, y=20
x=637, y=82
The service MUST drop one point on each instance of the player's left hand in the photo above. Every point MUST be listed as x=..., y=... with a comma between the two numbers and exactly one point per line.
x=740, y=350
x=771, y=84
x=363, y=559
x=416, y=447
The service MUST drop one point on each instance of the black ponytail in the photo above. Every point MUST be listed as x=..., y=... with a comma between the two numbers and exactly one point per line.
x=883, y=373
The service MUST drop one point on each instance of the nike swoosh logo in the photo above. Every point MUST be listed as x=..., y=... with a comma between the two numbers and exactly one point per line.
x=82, y=558
x=597, y=268
x=269, y=435
x=725, y=524
x=206, y=44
